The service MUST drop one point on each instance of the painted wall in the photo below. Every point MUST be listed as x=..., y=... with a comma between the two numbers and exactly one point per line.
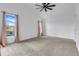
x=60, y=21
x=77, y=25
x=27, y=18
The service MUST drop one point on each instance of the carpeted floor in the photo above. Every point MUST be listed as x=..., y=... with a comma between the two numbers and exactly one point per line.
x=45, y=46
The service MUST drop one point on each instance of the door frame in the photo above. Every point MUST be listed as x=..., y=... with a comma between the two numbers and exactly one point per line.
x=3, y=38
x=39, y=29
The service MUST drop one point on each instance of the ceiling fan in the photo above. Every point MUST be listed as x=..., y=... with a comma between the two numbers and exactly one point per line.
x=45, y=6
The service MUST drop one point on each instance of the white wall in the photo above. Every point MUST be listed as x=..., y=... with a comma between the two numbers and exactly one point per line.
x=60, y=21
x=77, y=26
x=27, y=18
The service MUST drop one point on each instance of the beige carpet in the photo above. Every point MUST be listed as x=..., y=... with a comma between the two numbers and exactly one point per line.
x=45, y=46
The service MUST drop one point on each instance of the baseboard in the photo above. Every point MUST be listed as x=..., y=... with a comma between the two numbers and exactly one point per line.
x=61, y=37
x=27, y=39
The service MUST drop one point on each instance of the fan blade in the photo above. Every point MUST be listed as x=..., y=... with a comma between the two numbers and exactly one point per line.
x=45, y=10
x=51, y=6
x=47, y=4
x=44, y=4
x=38, y=5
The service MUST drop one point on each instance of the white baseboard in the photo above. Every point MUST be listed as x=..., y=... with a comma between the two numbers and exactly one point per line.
x=28, y=37
x=73, y=38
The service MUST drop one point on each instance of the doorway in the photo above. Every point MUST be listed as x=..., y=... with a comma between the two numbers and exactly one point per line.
x=10, y=28
x=40, y=28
